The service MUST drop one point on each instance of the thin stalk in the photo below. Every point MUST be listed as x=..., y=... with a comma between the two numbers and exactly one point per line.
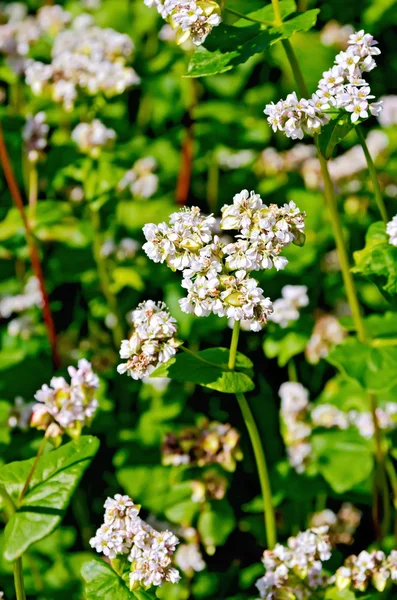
x=373, y=175
x=31, y=243
x=270, y=521
x=10, y=509
x=33, y=192
x=104, y=279
x=277, y=13
x=33, y=469
x=187, y=150
x=292, y=374
x=380, y=343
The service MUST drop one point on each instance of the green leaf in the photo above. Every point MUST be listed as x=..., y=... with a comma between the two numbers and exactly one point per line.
x=102, y=582
x=375, y=369
x=333, y=133
x=216, y=523
x=209, y=369
x=266, y=13
x=285, y=345
x=126, y=277
x=335, y=594
x=378, y=259
x=229, y=46
x=343, y=458
x=52, y=486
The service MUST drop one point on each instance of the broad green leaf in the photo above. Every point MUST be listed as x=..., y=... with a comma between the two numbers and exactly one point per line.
x=209, y=369
x=134, y=214
x=343, y=458
x=102, y=582
x=285, y=345
x=148, y=485
x=375, y=369
x=53, y=484
x=335, y=594
x=228, y=46
x=266, y=13
x=216, y=523
x=127, y=277
x=333, y=133
x=378, y=259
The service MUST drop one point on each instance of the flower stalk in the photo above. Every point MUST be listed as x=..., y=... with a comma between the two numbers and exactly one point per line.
x=373, y=175
x=33, y=469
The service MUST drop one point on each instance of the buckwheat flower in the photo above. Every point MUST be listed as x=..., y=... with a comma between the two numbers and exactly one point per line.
x=152, y=341
x=92, y=138
x=34, y=135
x=285, y=309
x=141, y=180
x=296, y=428
x=326, y=334
x=391, y=230
x=30, y=297
x=20, y=414
x=294, y=397
x=52, y=19
x=336, y=34
x=341, y=526
x=388, y=115
x=328, y=416
x=367, y=568
x=189, y=559
x=67, y=407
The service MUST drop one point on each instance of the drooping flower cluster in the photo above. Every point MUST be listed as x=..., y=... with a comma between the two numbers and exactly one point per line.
x=141, y=179
x=85, y=58
x=391, y=230
x=296, y=570
x=192, y=19
x=286, y=308
x=34, y=135
x=205, y=444
x=216, y=274
x=92, y=138
x=67, y=407
x=341, y=525
x=148, y=551
x=152, y=341
x=341, y=88
x=31, y=296
x=296, y=428
x=373, y=567
x=327, y=333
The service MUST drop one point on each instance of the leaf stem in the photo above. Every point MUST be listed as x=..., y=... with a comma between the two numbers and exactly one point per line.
x=373, y=174
x=33, y=469
x=31, y=243
x=10, y=509
x=260, y=458
x=9, y=504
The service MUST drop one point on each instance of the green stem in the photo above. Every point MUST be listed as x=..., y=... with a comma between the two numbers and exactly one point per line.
x=373, y=175
x=33, y=192
x=10, y=509
x=381, y=342
x=32, y=470
x=246, y=17
x=277, y=13
x=296, y=70
x=292, y=374
x=270, y=521
x=104, y=279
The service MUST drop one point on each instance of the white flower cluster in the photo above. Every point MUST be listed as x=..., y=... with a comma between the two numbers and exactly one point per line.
x=230, y=160
x=296, y=570
x=189, y=559
x=34, y=135
x=92, y=138
x=391, y=230
x=330, y=417
x=20, y=414
x=368, y=567
x=341, y=525
x=31, y=296
x=67, y=407
x=217, y=275
x=286, y=308
x=388, y=116
x=341, y=88
x=85, y=58
x=192, y=19
x=152, y=341
x=149, y=551
x=141, y=179
x=123, y=250
x=296, y=428
x=327, y=333
x=336, y=34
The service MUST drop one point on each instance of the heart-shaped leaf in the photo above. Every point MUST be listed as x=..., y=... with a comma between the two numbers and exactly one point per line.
x=102, y=583
x=378, y=260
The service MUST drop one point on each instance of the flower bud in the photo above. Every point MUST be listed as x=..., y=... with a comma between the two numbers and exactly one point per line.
x=299, y=239
x=190, y=244
x=234, y=299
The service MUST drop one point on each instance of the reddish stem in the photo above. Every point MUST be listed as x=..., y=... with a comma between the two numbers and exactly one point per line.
x=185, y=172
x=34, y=256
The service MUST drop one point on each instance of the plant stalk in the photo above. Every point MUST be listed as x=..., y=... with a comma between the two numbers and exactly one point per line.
x=270, y=521
x=33, y=469
x=372, y=172
x=33, y=192
x=10, y=509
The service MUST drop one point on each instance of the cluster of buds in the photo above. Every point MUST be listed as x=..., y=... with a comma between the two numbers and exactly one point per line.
x=85, y=58
x=141, y=180
x=208, y=443
x=296, y=570
x=147, y=553
x=192, y=19
x=295, y=423
x=64, y=407
x=368, y=567
x=31, y=296
x=286, y=308
x=326, y=334
x=391, y=230
x=152, y=341
x=92, y=138
x=341, y=525
x=34, y=135
x=216, y=274
x=341, y=88
x=211, y=486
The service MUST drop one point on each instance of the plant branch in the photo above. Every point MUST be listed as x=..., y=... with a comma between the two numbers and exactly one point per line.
x=373, y=174
x=30, y=240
